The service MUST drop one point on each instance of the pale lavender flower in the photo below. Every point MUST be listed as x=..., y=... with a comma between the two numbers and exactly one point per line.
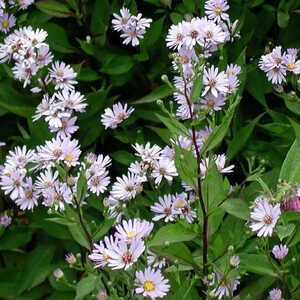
x=233, y=70
x=273, y=65
x=215, y=10
x=176, y=36
x=19, y=157
x=112, y=117
x=120, y=23
x=5, y=220
x=264, y=217
x=147, y=153
x=71, y=99
x=290, y=61
x=125, y=187
x=97, y=184
x=280, y=251
x=99, y=254
x=70, y=152
x=70, y=258
x=182, y=208
x=133, y=229
x=67, y=128
x=210, y=102
x=151, y=283
x=7, y=22
x=187, y=59
x=52, y=150
x=164, y=168
x=28, y=197
x=163, y=208
x=211, y=35
x=46, y=180
x=138, y=169
x=220, y=161
x=123, y=255
x=225, y=286
x=44, y=56
x=101, y=295
x=155, y=260
x=214, y=81
x=275, y=294
x=63, y=76
x=234, y=260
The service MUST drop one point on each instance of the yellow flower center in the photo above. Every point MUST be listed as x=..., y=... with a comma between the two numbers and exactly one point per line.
x=60, y=73
x=218, y=10
x=131, y=234
x=5, y=24
x=211, y=103
x=179, y=204
x=120, y=116
x=291, y=66
x=69, y=157
x=105, y=256
x=148, y=286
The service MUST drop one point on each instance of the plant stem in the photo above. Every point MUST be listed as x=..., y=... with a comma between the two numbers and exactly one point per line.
x=88, y=236
x=203, y=208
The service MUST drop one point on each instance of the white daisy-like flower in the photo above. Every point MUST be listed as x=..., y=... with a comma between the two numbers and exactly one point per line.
x=215, y=10
x=112, y=117
x=264, y=217
x=214, y=81
x=155, y=260
x=123, y=255
x=163, y=208
x=164, y=168
x=151, y=283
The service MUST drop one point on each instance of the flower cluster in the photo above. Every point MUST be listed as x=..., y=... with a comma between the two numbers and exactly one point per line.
x=276, y=64
x=132, y=27
x=55, y=190
x=123, y=249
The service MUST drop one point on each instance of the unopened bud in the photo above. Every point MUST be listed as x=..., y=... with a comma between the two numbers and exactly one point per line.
x=235, y=260
x=164, y=78
x=167, y=243
x=230, y=248
x=102, y=295
x=58, y=273
x=88, y=39
x=159, y=102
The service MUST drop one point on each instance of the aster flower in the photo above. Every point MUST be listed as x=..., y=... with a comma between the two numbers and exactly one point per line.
x=289, y=60
x=220, y=161
x=176, y=36
x=58, y=273
x=264, y=217
x=151, y=283
x=7, y=22
x=147, y=153
x=123, y=255
x=112, y=117
x=138, y=169
x=70, y=99
x=215, y=10
x=63, y=76
x=163, y=209
x=280, y=251
x=120, y=23
x=164, y=168
x=182, y=208
x=70, y=258
x=211, y=35
x=133, y=229
x=67, y=128
x=28, y=197
x=97, y=184
x=125, y=187
x=52, y=150
x=5, y=220
x=155, y=260
x=275, y=294
x=70, y=152
x=99, y=254
x=213, y=103
x=225, y=286
x=19, y=157
x=214, y=81
x=46, y=180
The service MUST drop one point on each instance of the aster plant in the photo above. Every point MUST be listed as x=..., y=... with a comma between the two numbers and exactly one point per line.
x=165, y=216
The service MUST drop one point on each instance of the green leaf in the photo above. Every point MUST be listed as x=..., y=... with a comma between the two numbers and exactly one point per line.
x=86, y=74
x=54, y=8
x=174, y=126
x=197, y=88
x=14, y=238
x=292, y=102
x=160, y=93
x=283, y=18
x=219, y=132
x=256, y=289
x=86, y=285
x=258, y=264
x=100, y=17
x=118, y=64
x=186, y=165
x=172, y=233
x=190, y=5
x=240, y=138
x=237, y=207
x=78, y=235
x=123, y=157
x=81, y=187
x=153, y=33
x=284, y=231
x=38, y=259
x=57, y=38
x=176, y=251
x=176, y=18
x=103, y=229
x=290, y=170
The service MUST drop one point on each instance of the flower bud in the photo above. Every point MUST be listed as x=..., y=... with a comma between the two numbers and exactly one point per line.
x=58, y=273
x=235, y=260
x=101, y=295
